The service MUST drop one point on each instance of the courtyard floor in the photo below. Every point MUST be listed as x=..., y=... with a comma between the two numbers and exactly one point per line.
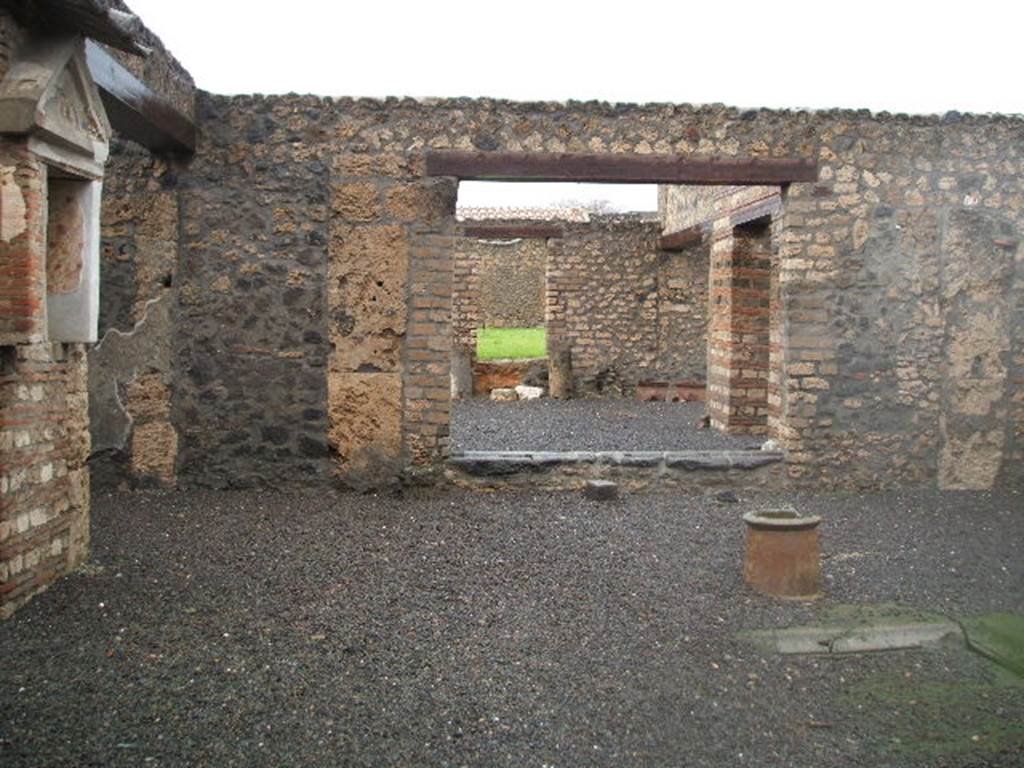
x=459, y=628
x=546, y=424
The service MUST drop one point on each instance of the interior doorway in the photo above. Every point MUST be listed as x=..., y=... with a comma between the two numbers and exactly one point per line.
x=749, y=244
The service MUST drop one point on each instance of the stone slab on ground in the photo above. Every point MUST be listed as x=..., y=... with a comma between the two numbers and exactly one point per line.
x=858, y=629
x=501, y=462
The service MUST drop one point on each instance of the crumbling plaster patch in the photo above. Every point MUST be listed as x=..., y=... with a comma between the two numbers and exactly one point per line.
x=13, y=220
x=128, y=373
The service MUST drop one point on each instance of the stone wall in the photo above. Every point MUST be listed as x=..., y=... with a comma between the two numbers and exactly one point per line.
x=130, y=369
x=682, y=316
x=250, y=340
x=901, y=201
x=134, y=439
x=909, y=331
x=626, y=311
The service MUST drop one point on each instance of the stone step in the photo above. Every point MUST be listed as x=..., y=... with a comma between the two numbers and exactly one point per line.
x=570, y=469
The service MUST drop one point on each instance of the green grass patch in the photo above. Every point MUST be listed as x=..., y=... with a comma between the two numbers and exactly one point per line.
x=511, y=343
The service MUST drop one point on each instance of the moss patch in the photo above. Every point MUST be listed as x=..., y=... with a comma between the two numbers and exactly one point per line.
x=1000, y=637
x=942, y=722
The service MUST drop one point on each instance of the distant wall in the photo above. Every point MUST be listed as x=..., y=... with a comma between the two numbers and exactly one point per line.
x=512, y=282
x=626, y=311
x=498, y=284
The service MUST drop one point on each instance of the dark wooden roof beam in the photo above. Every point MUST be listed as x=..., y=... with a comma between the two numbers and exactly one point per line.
x=503, y=231
x=136, y=111
x=683, y=239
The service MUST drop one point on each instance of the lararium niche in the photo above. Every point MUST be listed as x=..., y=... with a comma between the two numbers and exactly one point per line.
x=54, y=123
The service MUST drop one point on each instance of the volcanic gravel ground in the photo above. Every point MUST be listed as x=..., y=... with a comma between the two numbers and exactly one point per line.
x=454, y=628
x=586, y=425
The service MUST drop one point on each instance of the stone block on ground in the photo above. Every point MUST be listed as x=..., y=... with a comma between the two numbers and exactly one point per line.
x=503, y=394
x=525, y=392
x=601, y=490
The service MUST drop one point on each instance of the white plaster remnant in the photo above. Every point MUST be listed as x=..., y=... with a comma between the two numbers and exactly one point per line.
x=12, y=206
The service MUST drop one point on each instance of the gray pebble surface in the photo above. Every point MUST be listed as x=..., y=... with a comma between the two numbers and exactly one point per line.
x=586, y=425
x=455, y=628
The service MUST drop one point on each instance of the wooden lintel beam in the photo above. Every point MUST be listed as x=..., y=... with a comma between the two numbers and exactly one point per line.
x=618, y=168
x=684, y=238
x=135, y=110
x=500, y=231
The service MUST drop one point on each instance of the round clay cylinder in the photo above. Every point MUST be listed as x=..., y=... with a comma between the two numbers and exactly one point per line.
x=783, y=554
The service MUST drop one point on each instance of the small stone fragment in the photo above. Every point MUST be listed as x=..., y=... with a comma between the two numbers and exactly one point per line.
x=529, y=393
x=727, y=497
x=503, y=393
x=601, y=490
x=770, y=445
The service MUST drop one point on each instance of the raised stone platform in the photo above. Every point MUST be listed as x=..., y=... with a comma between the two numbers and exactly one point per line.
x=631, y=469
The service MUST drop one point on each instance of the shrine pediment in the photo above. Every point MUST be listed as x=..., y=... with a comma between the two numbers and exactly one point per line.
x=49, y=96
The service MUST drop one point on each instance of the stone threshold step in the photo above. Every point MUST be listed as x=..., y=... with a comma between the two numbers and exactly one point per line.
x=512, y=462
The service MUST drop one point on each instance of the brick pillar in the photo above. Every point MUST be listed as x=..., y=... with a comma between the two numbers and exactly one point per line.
x=558, y=287
x=739, y=337
x=465, y=295
x=427, y=402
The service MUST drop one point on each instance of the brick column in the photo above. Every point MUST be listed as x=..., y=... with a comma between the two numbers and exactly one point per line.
x=427, y=400
x=739, y=336
x=465, y=294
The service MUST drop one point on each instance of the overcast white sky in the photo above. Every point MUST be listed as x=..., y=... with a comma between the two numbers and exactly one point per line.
x=899, y=56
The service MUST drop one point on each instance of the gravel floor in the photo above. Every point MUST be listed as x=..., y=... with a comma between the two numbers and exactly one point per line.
x=453, y=628
x=585, y=425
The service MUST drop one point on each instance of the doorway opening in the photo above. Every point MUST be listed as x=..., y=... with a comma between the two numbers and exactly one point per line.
x=676, y=308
